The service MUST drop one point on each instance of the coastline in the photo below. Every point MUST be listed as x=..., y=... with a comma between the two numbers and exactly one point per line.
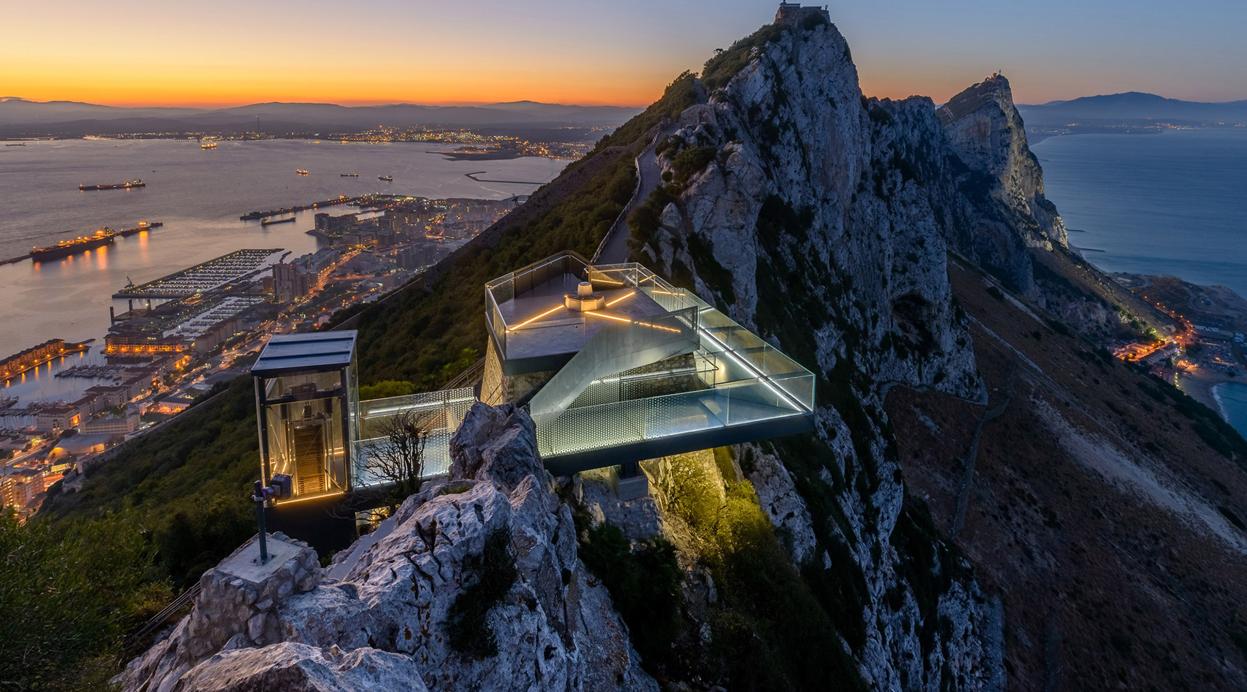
x=1203, y=388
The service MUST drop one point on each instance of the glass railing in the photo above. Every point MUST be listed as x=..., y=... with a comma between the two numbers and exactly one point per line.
x=743, y=351
x=733, y=378
x=438, y=414
x=616, y=424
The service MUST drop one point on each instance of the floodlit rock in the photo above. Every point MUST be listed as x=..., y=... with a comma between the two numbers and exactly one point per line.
x=384, y=619
x=783, y=504
x=496, y=443
x=294, y=667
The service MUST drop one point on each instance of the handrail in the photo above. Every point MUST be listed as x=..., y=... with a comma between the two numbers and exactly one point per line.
x=137, y=638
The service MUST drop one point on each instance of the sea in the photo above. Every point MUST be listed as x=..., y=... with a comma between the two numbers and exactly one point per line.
x=1169, y=203
x=198, y=194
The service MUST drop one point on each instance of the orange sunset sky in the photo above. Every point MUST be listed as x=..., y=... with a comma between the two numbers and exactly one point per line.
x=138, y=52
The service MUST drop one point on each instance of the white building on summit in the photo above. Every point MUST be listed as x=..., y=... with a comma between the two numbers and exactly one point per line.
x=794, y=13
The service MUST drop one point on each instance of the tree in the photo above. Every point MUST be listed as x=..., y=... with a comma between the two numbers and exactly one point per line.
x=397, y=458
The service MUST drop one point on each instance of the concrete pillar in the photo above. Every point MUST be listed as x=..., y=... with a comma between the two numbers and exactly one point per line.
x=631, y=483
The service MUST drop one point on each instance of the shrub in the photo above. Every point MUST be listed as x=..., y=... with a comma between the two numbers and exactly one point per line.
x=644, y=221
x=720, y=69
x=691, y=161
x=494, y=572
x=644, y=583
x=386, y=388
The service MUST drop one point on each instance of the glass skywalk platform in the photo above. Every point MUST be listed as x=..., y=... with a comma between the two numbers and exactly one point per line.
x=654, y=371
x=620, y=366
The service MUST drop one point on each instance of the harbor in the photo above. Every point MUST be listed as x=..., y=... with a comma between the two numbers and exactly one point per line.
x=201, y=196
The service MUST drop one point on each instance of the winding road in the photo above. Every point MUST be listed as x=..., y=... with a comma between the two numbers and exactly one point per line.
x=614, y=247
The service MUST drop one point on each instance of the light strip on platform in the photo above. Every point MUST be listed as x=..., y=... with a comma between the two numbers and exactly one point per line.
x=638, y=323
x=620, y=299
x=766, y=382
x=534, y=318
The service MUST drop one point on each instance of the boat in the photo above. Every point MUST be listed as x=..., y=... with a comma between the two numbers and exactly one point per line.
x=301, y=171
x=142, y=226
x=19, y=144
x=386, y=178
x=270, y=222
x=126, y=185
x=65, y=248
x=207, y=144
x=348, y=175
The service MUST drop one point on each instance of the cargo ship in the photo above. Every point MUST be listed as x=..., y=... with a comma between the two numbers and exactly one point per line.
x=143, y=226
x=65, y=248
x=301, y=171
x=386, y=178
x=348, y=175
x=270, y=222
x=127, y=185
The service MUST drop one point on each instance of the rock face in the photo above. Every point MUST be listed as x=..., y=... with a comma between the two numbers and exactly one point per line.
x=380, y=617
x=822, y=220
x=987, y=132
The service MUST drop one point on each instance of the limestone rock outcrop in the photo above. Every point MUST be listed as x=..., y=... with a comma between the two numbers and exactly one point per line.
x=383, y=614
x=987, y=132
x=823, y=221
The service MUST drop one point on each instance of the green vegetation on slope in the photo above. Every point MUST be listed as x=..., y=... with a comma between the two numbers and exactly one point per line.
x=644, y=582
x=768, y=629
x=69, y=596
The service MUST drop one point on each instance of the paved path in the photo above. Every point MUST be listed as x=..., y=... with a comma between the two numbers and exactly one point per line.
x=967, y=480
x=614, y=247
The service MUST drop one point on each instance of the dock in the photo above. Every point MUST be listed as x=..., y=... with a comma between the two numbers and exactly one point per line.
x=36, y=356
x=261, y=215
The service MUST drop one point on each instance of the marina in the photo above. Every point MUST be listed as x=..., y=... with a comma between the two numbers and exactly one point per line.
x=202, y=277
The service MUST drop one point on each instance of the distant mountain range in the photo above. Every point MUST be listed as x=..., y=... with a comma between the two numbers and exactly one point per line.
x=67, y=118
x=1133, y=108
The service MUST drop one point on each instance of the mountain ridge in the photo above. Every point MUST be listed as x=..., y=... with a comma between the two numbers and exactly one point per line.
x=21, y=116
x=1135, y=106
x=836, y=226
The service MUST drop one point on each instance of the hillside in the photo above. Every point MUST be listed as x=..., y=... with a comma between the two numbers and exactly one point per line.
x=22, y=118
x=1135, y=107
x=826, y=222
x=1102, y=504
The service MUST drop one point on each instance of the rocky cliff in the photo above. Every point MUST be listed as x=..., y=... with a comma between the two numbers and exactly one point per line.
x=986, y=130
x=823, y=220
x=474, y=583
